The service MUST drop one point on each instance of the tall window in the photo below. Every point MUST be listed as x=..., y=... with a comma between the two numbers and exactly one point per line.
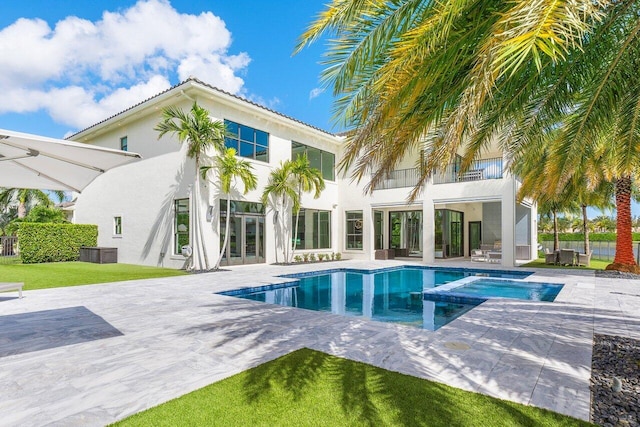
x=123, y=143
x=181, y=225
x=248, y=142
x=354, y=230
x=314, y=229
x=117, y=225
x=324, y=161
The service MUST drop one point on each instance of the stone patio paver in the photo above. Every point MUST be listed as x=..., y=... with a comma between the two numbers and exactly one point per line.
x=177, y=335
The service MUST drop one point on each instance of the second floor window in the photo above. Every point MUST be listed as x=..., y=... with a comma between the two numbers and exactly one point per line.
x=123, y=143
x=248, y=142
x=324, y=161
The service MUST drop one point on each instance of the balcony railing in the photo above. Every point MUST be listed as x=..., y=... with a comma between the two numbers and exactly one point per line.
x=480, y=170
x=398, y=179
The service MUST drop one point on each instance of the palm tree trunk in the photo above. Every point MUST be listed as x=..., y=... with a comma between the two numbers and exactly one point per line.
x=556, y=238
x=226, y=233
x=199, y=246
x=22, y=209
x=624, y=260
x=287, y=239
x=295, y=231
x=585, y=230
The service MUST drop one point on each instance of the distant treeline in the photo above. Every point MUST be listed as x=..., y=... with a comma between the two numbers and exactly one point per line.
x=577, y=237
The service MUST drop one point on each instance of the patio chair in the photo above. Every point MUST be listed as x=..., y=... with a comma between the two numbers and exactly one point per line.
x=567, y=257
x=477, y=255
x=585, y=259
x=550, y=257
x=494, y=256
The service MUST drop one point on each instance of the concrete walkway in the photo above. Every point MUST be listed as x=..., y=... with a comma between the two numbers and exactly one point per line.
x=91, y=355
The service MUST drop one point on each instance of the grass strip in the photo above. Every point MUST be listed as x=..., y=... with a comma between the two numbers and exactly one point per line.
x=595, y=264
x=310, y=388
x=61, y=274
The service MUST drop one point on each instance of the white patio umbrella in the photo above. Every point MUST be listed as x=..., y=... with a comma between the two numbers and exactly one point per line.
x=32, y=161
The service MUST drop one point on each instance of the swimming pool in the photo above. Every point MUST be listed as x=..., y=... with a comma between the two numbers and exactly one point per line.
x=390, y=295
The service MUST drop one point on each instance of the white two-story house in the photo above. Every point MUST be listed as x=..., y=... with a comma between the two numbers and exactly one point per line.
x=145, y=209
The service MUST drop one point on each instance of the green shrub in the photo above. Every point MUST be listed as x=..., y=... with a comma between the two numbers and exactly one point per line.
x=297, y=258
x=305, y=257
x=54, y=242
x=578, y=237
x=338, y=256
x=312, y=257
x=321, y=257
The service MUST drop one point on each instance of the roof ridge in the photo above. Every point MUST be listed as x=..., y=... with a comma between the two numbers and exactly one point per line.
x=209, y=86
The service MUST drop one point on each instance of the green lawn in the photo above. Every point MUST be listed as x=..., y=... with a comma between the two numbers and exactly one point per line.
x=59, y=274
x=309, y=388
x=596, y=264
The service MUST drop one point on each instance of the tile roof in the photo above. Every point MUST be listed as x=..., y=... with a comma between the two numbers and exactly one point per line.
x=208, y=86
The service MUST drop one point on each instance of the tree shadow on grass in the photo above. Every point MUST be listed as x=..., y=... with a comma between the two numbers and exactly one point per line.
x=375, y=395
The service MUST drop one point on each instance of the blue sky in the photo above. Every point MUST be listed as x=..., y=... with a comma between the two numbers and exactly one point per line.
x=67, y=64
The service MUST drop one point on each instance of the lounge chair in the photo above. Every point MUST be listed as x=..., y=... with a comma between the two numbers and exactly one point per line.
x=585, y=259
x=478, y=255
x=494, y=256
x=567, y=257
x=550, y=257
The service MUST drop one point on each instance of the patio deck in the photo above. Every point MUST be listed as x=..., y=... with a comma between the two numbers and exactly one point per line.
x=91, y=355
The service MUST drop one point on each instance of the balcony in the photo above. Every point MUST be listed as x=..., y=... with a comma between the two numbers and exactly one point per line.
x=480, y=170
x=399, y=179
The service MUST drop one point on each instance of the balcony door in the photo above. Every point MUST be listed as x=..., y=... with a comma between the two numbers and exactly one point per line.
x=246, y=240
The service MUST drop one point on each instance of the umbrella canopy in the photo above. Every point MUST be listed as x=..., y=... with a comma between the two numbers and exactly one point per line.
x=32, y=161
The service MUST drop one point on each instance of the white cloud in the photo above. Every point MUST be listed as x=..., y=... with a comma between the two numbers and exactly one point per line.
x=82, y=71
x=316, y=92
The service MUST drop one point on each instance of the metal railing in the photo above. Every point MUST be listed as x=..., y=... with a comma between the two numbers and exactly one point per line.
x=8, y=246
x=399, y=179
x=480, y=170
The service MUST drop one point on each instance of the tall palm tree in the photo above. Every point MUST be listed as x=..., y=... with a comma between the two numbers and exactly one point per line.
x=307, y=179
x=202, y=134
x=26, y=197
x=456, y=75
x=280, y=191
x=230, y=168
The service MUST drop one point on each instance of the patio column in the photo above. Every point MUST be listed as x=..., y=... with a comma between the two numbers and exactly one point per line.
x=508, y=212
x=428, y=231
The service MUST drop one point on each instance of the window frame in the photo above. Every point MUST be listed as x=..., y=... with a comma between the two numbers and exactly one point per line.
x=316, y=228
x=117, y=226
x=322, y=154
x=356, y=233
x=178, y=242
x=124, y=143
x=235, y=138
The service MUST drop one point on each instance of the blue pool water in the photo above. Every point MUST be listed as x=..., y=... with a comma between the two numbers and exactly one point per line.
x=489, y=288
x=390, y=295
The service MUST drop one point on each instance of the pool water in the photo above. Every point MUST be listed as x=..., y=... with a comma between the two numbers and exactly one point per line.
x=392, y=295
x=491, y=288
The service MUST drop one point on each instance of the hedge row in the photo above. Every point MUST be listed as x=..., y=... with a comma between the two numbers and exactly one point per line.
x=577, y=237
x=41, y=242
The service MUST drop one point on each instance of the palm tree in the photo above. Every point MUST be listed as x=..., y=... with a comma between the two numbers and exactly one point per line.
x=455, y=75
x=201, y=135
x=26, y=197
x=230, y=168
x=281, y=189
x=307, y=179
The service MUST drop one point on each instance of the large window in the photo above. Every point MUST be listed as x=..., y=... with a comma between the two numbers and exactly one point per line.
x=181, y=225
x=314, y=229
x=248, y=142
x=354, y=230
x=324, y=161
